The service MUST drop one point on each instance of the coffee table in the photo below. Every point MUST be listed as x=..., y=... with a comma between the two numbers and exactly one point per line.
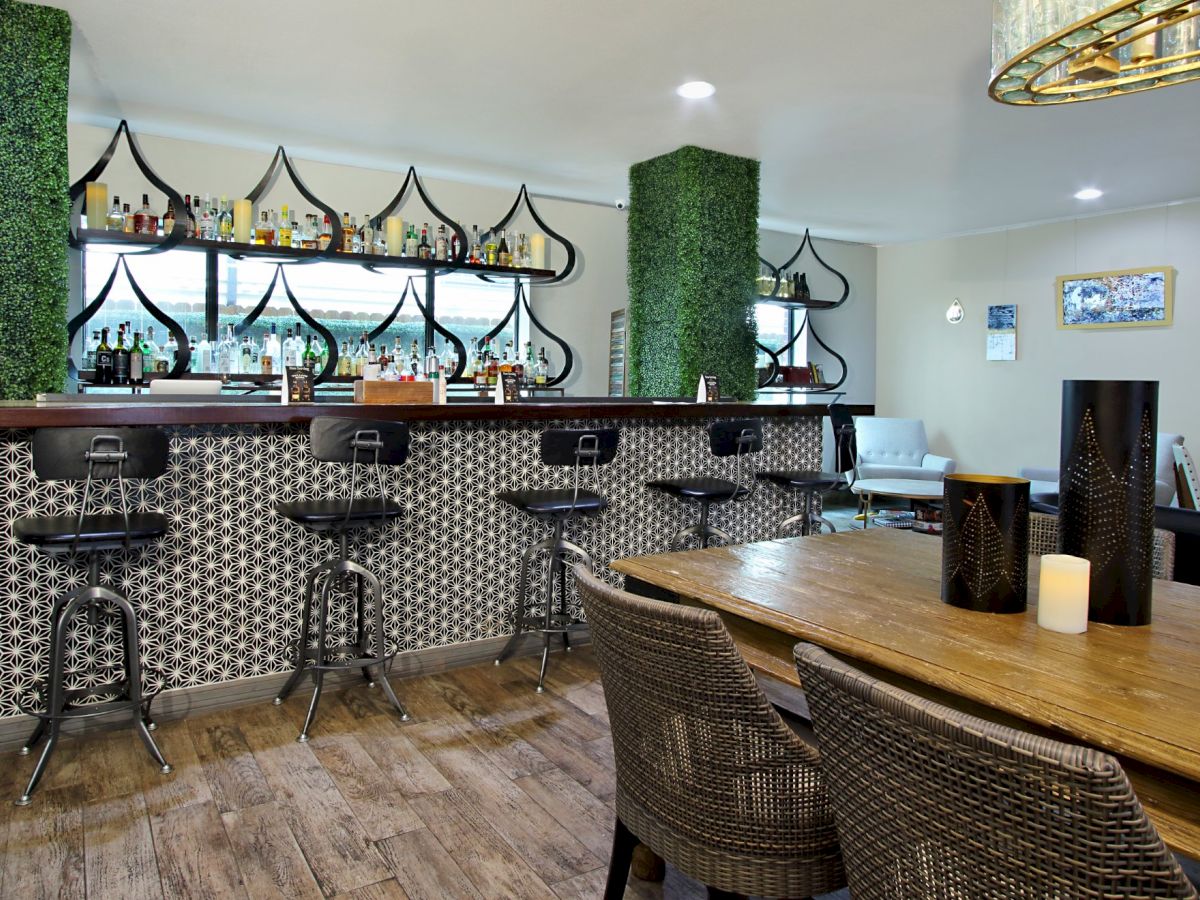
x=900, y=488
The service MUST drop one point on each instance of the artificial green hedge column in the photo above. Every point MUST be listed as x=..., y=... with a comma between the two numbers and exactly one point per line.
x=35, y=54
x=693, y=258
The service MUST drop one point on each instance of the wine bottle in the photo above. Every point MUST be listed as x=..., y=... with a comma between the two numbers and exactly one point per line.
x=104, y=360
x=121, y=360
x=137, y=360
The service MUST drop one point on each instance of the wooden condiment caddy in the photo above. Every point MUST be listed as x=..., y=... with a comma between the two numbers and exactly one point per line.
x=393, y=391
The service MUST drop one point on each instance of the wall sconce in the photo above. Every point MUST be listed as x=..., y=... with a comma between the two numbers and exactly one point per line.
x=955, y=313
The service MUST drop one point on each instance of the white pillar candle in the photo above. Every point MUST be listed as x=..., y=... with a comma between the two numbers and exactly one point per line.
x=394, y=235
x=1063, y=593
x=537, y=250
x=95, y=205
x=243, y=220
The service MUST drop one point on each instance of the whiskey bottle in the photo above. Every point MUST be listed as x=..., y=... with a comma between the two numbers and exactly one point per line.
x=121, y=360
x=168, y=221
x=424, y=251
x=129, y=223
x=116, y=220
x=137, y=360
x=542, y=372
x=104, y=360
x=347, y=234
x=144, y=221
x=326, y=237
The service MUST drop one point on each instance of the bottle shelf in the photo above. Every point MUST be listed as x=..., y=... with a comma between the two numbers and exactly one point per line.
x=790, y=303
x=103, y=237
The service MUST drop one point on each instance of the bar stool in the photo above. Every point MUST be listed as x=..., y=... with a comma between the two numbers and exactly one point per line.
x=357, y=443
x=559, y=447
x=809, y=485
x=737, y=438
x=92, y=455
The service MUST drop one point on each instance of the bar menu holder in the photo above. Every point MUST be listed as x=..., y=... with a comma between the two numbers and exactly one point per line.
x=709, y=390
x=508, y=388
x=297, y=385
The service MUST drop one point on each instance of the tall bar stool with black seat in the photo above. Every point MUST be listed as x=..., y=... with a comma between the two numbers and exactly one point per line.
x=358, y=443
x=582, y=449
x=92, y=455
x=808, y=485
x=737, y=438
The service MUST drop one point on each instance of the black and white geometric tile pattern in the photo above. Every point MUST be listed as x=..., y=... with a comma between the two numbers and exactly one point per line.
x=219, y=598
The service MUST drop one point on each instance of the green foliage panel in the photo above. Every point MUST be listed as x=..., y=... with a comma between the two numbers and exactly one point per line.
x=693, y=257
x=35, y=51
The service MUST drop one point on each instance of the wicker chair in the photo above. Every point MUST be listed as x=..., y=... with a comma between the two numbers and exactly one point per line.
x=933, y=803
x=708, y=775
x=1043, y=539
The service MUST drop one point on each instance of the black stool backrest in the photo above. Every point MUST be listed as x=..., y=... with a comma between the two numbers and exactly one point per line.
x=736, y=437
x=843, y=437
x=62, y=454
x=566, y=446
x=344, y=440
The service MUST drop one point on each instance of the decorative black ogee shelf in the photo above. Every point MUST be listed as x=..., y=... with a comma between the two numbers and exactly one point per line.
x=808, y=306
x=135, y=244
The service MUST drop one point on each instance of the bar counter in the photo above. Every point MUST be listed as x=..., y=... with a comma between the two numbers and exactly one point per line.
x=218, y=599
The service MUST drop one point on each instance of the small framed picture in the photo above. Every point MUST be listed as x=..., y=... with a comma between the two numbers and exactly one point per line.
x=1002, y=332
x=1127, y=298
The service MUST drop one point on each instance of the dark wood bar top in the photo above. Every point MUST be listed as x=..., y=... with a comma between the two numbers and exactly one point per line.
x=31, y=414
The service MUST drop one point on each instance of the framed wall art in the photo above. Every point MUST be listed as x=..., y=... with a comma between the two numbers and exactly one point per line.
x=1002, y=332
x=1128, y=298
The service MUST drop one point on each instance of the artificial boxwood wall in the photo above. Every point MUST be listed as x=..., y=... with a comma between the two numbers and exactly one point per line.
x=35, y=51
x=693, y=257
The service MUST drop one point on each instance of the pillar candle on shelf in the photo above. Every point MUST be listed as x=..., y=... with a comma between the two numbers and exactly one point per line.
x=96, y=204
x=1063, y=593
x=243, y=220
x=537, y=250
x=395, y=235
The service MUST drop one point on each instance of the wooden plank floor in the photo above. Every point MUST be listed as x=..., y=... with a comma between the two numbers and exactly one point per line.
x=491, y=790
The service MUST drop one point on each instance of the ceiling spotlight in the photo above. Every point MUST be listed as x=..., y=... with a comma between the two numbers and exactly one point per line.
x=1089, y=194
x=695, y=90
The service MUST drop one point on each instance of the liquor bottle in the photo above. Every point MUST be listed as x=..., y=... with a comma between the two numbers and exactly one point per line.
x=130, y=224
x=503, y=255
x=246, y=365
x=326, y=236
x=286, y=351
x=476, y=257
x=449, y=358
x=530, y=363
x=308, y=238
x=274, y=351
x=521, y=257
x=190, y=231
x=137, y=360
x=208, y=220
x=150, y=348
x=264, y=234
x=104, y=360
x=440, y=246
x=284, y=234
x=506, y=364
x=121, y=360
x=343, y=366
x=472, y=354
x=455, y=244
x=356, y=237
x=266, y=362
x=255, y=358
x=116, y=220
x=144, y=221
x=366, y=237
x=202, y=361
x=431, y=363
x=493, y=370
x=347, y=234
x=225, y=221
x=298, y=346
x=89, y=351
x=410, y=242
x=490, y=252
x=196, y=213
x=424, y=251
x=226, y=353
x=309, y=358
x=414, y=359
x=380, y=238
x=168, y=221
x=542, y=372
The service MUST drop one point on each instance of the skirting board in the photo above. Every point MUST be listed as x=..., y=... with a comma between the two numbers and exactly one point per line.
x=190, y=701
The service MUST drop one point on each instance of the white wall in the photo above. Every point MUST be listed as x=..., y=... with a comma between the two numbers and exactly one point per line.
x=578, y=310
x=997, y=416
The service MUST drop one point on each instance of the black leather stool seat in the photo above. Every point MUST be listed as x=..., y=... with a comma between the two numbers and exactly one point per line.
x=817, y=481
x=329, y=512
x=99, y=530
x=699, y=488
x=551, y=502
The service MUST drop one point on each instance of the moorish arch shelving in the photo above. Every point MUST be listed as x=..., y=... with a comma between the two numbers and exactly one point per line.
x=808, y=306
x=423, y=297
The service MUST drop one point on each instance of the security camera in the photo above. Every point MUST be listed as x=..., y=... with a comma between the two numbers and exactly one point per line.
x=619, y=203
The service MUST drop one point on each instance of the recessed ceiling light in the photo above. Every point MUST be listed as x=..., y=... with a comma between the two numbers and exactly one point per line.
x=695, y=90
x=1089, y=194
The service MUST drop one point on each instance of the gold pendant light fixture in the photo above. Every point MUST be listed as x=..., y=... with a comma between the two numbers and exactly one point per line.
x=1064, y=51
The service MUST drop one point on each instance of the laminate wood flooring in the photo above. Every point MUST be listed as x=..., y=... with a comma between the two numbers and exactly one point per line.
x=490, y=791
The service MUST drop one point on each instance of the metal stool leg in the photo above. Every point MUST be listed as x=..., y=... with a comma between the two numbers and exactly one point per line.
x=360, y=617
x=55, y=701
x=381, y=649
x=554, y=565
x=39, y=731
x=318, y=674
x=133, y=672
x=520, y=610
x=302, y=641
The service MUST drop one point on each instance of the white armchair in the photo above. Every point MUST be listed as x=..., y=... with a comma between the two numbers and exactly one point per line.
x=897, y=448
x=1044, y=480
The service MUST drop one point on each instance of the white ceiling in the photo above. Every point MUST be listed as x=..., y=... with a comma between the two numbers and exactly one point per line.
x=870, y=117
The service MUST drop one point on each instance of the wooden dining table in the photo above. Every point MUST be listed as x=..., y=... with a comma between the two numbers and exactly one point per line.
x=874, y=598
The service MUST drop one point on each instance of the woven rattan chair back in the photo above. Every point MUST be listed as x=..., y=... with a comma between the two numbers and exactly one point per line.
x=933, y=803
x=708, y=775
x=1043, y=539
